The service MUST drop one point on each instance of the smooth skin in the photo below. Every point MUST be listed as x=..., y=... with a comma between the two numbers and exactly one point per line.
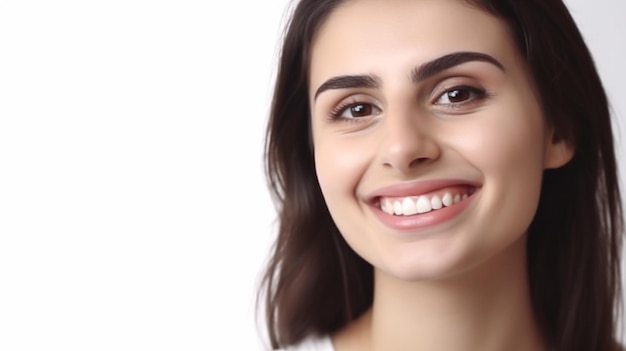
x=458, y=283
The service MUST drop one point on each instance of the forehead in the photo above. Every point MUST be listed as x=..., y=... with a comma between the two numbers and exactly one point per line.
x=387, y=36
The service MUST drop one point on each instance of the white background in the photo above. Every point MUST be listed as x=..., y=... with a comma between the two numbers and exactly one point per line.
x=133, y=208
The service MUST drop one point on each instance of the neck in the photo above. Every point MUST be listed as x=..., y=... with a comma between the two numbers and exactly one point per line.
x=486, y=308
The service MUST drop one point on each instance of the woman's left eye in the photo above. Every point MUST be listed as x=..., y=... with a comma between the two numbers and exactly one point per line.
x=460, y=95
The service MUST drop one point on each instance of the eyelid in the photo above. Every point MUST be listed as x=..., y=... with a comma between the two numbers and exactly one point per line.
x=448, y=82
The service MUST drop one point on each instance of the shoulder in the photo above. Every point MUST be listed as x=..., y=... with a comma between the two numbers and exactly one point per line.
x=312, y=344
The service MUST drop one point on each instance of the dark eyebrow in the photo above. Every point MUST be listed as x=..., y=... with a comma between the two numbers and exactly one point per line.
x=443, y=63
x=418, y=74
x=346, y=82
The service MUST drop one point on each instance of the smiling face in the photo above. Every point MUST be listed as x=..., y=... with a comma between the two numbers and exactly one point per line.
x=429, y=142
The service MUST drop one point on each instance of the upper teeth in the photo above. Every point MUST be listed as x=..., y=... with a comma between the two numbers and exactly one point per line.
x=411, y=205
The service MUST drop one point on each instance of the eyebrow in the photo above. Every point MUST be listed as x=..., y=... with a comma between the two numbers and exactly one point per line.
x=347, y=82
x=443, y=63
x=418, y=74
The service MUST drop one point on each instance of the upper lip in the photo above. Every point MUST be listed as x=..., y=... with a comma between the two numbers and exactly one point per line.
x=417, y=188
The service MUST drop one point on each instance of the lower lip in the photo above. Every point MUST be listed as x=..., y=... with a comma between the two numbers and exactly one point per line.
x=424, y=220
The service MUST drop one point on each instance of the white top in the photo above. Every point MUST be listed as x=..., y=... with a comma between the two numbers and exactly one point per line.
x=312, y=344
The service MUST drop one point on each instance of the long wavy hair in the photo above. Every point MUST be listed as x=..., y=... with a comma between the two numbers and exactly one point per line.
x=316, y=284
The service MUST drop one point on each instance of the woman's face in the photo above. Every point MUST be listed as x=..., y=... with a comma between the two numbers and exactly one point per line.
x=429, y=141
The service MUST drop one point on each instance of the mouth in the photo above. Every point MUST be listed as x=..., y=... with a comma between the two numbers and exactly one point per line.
x=424, y=203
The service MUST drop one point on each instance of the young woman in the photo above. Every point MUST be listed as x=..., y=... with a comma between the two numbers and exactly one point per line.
x=446, y=180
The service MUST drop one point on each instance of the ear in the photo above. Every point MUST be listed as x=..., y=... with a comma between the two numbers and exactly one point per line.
x=558, y=152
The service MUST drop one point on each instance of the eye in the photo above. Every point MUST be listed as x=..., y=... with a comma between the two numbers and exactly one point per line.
x=354, y=110
x=460, y=95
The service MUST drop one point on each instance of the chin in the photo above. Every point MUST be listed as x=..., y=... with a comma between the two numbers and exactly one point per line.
x=424, y=268
x=456, y=262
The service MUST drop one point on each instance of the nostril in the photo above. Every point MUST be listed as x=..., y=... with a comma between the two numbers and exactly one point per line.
x=420, y=161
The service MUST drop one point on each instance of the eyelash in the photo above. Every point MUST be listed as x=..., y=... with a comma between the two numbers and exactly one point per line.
x=476, y=95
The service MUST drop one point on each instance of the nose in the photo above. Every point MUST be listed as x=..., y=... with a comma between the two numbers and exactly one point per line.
x=409, y=142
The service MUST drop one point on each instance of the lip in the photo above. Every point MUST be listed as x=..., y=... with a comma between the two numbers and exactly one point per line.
x=423, y=220
x=417, y=188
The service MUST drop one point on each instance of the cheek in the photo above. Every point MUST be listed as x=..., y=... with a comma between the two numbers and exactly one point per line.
x=506, y=141
x=500, y=152
x=508, y=149
x=339, y=164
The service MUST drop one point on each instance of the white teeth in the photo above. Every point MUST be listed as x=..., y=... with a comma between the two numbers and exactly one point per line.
x=408, y=207
x=389, y=206
x=447, y=199
x=435, y=203
x=423, y=205
x=383, y=206
x=386, y=206
x=397, y=207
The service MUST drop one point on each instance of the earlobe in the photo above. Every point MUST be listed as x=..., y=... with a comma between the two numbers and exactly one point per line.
x=558, y=153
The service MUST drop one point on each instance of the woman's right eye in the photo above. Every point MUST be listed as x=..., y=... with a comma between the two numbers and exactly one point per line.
x=354, y=111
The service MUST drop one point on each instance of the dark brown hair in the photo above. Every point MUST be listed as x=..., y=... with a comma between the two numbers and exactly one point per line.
x=315, y=284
